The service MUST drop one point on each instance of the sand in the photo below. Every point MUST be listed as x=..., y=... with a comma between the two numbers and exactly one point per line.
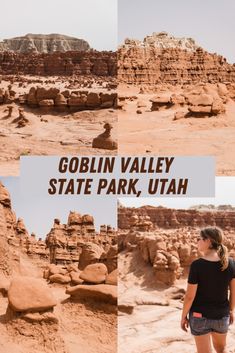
x=50, y=134
x=152, y=328
x=156, y=133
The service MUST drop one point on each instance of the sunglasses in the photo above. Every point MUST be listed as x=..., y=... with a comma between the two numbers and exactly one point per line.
x=200, y=238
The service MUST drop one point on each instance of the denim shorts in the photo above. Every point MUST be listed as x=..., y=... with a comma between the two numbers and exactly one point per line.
x=202, y=326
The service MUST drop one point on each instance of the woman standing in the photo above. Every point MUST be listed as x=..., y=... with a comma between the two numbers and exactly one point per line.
x=206, y=299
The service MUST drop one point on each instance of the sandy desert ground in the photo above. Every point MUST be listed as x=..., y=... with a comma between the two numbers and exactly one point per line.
x=154, y=324
x=156, y=133
x=50, y=133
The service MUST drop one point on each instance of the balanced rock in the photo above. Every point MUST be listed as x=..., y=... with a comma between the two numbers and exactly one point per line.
x=104, y=140
x=160, y=101
x=94, y=273
x=100, y=292
x=30, y=294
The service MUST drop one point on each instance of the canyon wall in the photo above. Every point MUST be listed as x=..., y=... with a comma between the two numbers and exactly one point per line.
x=161, y=58
x=163, y=217
x=59, y=63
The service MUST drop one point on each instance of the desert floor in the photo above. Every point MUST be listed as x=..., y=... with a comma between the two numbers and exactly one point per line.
x=50, y=134
x=83, y=326
x=156, y=133
x=154, y=325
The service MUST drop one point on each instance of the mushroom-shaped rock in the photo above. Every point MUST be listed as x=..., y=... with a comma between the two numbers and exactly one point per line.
x=30, y=294
x=99, y=292
x=94, y=273
x=105, y=140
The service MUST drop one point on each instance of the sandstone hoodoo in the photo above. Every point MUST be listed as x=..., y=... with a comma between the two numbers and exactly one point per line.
x=167, y=238
x=104, y=140
x=162, y=58
x=77, y=290
x=156, y=247
x=177, y=94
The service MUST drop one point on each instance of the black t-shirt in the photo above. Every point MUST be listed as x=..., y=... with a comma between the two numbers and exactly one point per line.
x=211, y=299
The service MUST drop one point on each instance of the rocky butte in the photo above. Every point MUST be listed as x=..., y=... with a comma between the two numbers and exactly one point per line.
x=162, y=58
x=44, y=43
x=54, y=54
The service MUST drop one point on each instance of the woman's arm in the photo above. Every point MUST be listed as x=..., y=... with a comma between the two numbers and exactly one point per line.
x=188, y=300
x=232, y=299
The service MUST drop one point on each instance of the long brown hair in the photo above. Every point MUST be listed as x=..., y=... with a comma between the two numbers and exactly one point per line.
x=215, y=235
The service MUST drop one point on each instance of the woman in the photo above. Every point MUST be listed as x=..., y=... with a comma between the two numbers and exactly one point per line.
x=206, y=299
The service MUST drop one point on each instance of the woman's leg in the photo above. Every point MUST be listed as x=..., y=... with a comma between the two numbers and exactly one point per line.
x=203, y=343
x=219, y=342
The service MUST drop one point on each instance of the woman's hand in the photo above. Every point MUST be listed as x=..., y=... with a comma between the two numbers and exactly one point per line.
x=231, y=317
x=184, y=324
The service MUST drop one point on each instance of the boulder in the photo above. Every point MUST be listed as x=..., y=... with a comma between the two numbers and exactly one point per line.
x=30, y=294
x=94, y=273
x=217, y=107
x=43, y=93
x=58, y=278
x=201, y=100
x=200, y=109
x=91, y=253
x=60, y=102
x=46, y=104
x=75, y=277
x=112, y=278
x=93, y=100
x=100, y=292
x=77, y=103
x=108, y=100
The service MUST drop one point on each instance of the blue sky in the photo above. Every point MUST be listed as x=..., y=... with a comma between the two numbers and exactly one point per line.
x=39, y=213
x=210, y=22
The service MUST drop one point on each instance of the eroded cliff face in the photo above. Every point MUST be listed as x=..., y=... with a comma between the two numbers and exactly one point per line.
x=43, y=43
x=7, y=230
x=161, y=58
x=78, y=241
x=163, y=217
x=59, y=63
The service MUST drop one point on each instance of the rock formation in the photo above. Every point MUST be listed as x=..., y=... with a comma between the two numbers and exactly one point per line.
x=43, y=43
x=77, y=241
x=52, y=99
x=28, y=320
x=161, y=58
x=69, y=63
x=104, y=140
x=167, y=217
x=167, y=238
